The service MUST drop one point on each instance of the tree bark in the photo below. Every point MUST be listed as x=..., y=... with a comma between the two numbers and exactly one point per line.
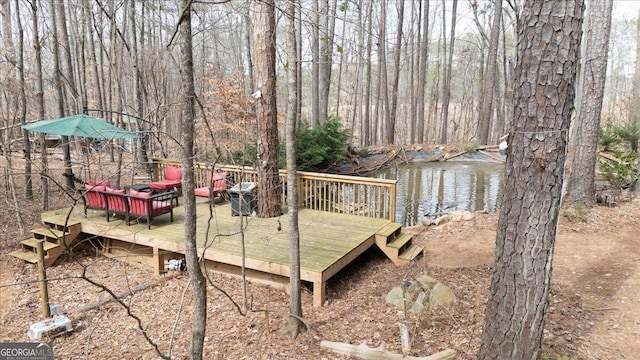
x=486, y=112
x=315, y=64
x=39, y=92
x=422, y=74
x=548, y=54
x=327, y=25
x=28, y=190
x=636, y=97
x=199, y=284
x=366, y=103
x=446, y=91
x=584, y=139
x=57, y=83
x=269, y=187
x=391, y=123
x=295, y=284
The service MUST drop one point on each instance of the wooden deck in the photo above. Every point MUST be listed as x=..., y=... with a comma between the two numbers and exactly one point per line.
x=328, y=241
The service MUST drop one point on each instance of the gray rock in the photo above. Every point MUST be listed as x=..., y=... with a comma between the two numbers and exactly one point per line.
x=441, y=295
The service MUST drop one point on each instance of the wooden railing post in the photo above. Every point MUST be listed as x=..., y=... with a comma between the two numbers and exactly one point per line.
x=392, y=202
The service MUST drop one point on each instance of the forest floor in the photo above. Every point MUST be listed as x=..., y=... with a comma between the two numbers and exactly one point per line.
x=594, y=308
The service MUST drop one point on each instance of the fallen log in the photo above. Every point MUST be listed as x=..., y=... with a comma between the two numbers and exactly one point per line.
x=101, y=303
x=362, y=351
x=609, y=157
x=491, y=156
x=454, y=155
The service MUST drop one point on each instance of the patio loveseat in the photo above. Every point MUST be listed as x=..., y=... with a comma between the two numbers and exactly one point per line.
x=134, y=205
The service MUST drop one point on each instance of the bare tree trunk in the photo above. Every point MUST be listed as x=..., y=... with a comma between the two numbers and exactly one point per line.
x=143, y=160
x=44, y=179
x=65, y=53
x=383, y=88
x=269, y=189
x=198, y=280
x=247, y=39
x=57, y=83
x=295, y=284
x=519, y=292
x=327, y=26
x=391, y=122
x=299, y=63
x=366, y=121
x=28, y=190
x=486, y=112
x=315, y=64
x=422, y=73
x=635, y=111
x=340, y=67
x=446, y=91
x=584, y=137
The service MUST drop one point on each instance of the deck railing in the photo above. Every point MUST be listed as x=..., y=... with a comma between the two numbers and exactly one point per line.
x=363, y=196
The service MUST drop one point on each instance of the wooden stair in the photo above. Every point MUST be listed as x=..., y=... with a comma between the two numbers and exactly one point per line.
x=56, y=238
x=398, y=246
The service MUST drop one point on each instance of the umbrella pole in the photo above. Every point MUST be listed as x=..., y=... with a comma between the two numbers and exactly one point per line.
x=68, y=170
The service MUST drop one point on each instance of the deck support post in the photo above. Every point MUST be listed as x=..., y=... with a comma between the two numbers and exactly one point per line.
x=158, y=261
x=319, y=293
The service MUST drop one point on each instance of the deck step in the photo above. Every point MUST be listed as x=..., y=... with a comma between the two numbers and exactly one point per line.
x=389, y=229
x=412, y=252
x=400, y=241
x=28, y=256
x=33, y=243
x=59, y=221
x=49, y=232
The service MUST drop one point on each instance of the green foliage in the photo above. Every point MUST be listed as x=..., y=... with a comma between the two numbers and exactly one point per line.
x=607, y=138
x=471, y=148
x=622, y=172
x=628, y=133
x=619, y=137
x=315, y=148
x=322, y=146
x=246, y=157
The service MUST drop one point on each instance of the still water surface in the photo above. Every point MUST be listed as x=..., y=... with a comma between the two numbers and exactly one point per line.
x=433, y=188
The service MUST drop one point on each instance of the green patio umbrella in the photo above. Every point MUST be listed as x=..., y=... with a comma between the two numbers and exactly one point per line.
x=80, y=125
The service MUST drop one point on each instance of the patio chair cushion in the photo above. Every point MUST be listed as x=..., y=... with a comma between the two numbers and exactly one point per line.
x=94, y=198
x=105, y=183
x=140, y=194
x=116, y=201
x=172, y=179
x=218, y=185
x=173, y=173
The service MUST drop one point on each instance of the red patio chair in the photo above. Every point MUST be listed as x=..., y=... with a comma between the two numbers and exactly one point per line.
x=172, y=179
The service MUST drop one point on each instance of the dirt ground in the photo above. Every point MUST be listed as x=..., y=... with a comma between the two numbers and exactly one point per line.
x=594, y=306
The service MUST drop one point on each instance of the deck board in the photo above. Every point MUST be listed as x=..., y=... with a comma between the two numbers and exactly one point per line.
x=328, y=241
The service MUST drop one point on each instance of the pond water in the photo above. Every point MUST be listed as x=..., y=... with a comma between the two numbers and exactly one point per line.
x=433, y=188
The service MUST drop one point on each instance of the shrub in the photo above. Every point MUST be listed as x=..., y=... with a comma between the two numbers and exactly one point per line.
x=628, y=133
x=622, y=172
x=315, y=148
x=322, y=146
x=607, y=138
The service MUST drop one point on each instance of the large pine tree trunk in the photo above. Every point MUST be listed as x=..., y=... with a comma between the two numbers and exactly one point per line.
x=548, y=52
x=584, y=139
x=269, y=189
